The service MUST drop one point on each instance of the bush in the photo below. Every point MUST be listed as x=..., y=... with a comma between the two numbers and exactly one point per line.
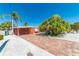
x=1, y=37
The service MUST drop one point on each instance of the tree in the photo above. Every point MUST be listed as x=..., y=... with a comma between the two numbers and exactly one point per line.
x=25, y=24
x=6, y=25
x=16, y=19
x=56, y=25
x=0, y=27
x=75, y=26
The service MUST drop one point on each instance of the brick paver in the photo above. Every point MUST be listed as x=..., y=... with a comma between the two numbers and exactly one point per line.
x=57, y=47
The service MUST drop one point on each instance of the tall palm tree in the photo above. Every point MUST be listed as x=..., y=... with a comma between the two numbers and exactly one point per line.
x=16, y=18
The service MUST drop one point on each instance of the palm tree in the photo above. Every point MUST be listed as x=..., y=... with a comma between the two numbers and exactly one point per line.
x=16, y=18
x=25, y=24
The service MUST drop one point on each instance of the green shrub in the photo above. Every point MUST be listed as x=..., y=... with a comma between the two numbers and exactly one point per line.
x=1, y=37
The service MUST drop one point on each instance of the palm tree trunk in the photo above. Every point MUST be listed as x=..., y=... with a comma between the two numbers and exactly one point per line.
x=18, y=31
x=17, y=28
x=12, y=27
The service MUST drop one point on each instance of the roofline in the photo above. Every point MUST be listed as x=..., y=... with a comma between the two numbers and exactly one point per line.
x=26, y=27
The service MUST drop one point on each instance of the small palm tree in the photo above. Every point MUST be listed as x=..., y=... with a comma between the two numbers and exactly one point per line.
x=25, y=24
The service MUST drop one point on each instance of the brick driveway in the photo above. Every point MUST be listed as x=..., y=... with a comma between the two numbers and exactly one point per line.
x=57, y=47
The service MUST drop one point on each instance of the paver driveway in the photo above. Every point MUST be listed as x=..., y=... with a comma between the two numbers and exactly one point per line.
x=57, y=47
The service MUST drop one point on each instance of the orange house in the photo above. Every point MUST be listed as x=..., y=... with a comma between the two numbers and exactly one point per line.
x=24, y=30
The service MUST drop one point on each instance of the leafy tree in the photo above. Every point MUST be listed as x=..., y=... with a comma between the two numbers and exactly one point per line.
x=6, y=25
x=56, y=25
x=75, y=26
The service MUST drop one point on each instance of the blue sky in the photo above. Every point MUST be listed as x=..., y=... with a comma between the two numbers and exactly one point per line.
x=36, y=13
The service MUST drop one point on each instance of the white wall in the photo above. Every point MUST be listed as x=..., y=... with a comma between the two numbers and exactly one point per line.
x=2, y=32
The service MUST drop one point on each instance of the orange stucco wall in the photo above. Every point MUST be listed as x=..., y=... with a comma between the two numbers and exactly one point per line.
x=22, y=31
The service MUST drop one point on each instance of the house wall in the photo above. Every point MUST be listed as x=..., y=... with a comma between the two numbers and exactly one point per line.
x=23, y=31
